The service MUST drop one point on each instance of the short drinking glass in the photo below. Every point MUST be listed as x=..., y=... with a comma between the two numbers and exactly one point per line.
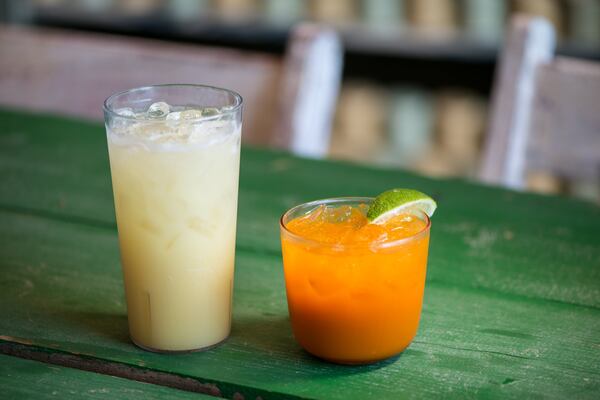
x=353, y=302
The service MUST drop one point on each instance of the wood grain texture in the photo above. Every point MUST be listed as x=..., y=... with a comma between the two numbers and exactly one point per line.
x=544, y=111
x=530, y=43
x=310, y=84
x=72, y=73
x=287, y=101
x=565, y=131
x=25, y=379
x=470, y=340
x=512, y=302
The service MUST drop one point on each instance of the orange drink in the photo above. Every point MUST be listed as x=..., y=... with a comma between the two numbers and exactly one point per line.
x=354, y=289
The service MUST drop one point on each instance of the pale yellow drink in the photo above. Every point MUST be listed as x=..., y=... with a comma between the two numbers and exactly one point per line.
x=175, y=190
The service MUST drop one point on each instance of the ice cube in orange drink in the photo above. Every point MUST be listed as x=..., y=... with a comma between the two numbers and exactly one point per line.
x=354, y=289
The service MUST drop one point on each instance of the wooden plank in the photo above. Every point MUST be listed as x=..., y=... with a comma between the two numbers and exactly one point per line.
x=518, y=244
x=72, y=73
x=544, y=113
x=310, y=84
x=565, y=131
x=288, y=102
x=529, y=44
x=66, y=298
x=26, y=379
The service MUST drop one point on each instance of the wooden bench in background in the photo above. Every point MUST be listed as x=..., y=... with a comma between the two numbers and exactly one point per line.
x=545, y=111
x=289, y=100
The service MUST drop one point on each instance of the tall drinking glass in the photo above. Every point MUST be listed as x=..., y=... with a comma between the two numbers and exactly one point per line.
x=174, y=159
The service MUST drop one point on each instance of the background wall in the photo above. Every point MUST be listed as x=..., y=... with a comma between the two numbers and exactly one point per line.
x=418, y=73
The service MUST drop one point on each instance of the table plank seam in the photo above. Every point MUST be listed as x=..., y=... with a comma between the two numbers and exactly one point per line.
x=416, y=341
x=85, y=362
x=54, y=216
x=104, y=225
x=500, y=353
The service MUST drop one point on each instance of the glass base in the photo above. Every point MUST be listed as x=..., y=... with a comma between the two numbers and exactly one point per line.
x=350, y=362
x=197, y=350
x=357, y=362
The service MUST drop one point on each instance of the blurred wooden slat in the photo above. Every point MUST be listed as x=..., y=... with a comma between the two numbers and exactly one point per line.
x=527, y=46
x=544, y=113
x=71, y=73
x=565, y=131
x=310, y=83
x=547, y=9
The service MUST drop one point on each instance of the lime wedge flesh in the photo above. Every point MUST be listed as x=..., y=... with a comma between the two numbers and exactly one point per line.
x=398, y=201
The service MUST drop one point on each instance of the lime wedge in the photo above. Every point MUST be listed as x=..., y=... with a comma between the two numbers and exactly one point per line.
x=398, y=201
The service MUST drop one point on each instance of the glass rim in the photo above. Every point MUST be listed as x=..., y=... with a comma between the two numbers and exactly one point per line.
x=367, y=245
x=239, y=100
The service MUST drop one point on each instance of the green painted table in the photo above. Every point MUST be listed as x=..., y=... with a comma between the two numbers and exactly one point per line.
x=512, y=303
x=25, y=379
